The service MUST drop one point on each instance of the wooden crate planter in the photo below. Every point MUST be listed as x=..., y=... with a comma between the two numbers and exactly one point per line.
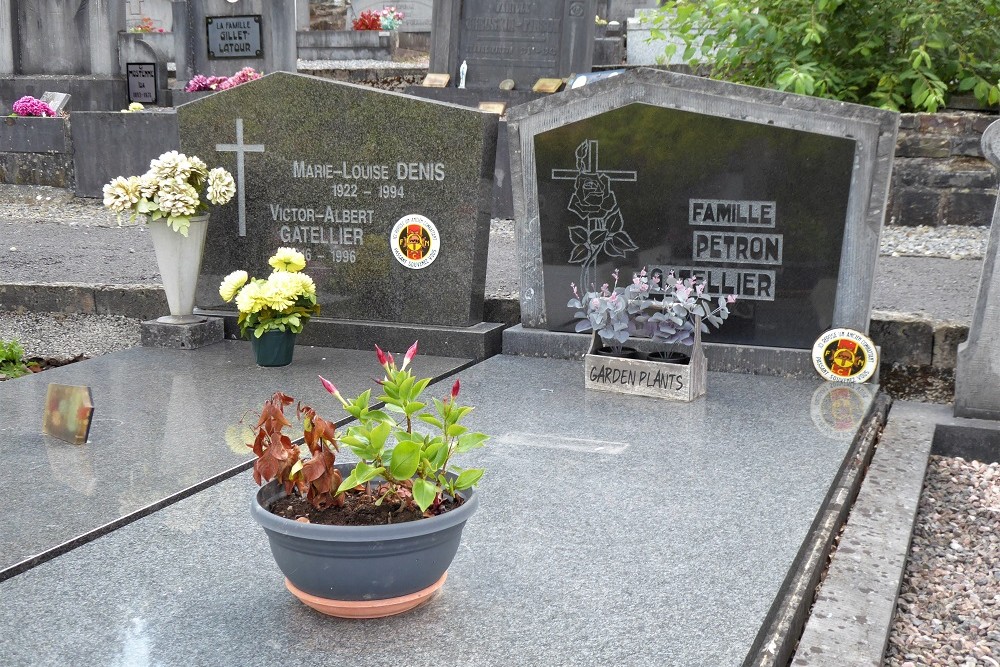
x=641, y=377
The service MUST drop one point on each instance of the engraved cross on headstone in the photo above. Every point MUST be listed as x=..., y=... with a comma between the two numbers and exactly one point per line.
x=589, y=164
x=240, y=149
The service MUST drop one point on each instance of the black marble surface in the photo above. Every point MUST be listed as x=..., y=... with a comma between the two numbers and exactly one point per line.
x=635, y=172
x=379, y=135
x=164, y=421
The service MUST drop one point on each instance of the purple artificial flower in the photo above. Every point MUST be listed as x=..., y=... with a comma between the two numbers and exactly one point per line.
x=29, y=106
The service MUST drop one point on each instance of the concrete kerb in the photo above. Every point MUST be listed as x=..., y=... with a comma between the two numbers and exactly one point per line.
x=905, y=339
x=852, y=617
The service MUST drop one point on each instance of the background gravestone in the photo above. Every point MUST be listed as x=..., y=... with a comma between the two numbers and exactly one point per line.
x=776, y=198
x=976, y=376
x=331, y=168
x=69, y=46
x=523, y=41
x=416, y=13
x=217, y=37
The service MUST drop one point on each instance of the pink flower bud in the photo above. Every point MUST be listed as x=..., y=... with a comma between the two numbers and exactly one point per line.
x=412, y=352
x=454, y=389
x=381, y=356
x=328, y=386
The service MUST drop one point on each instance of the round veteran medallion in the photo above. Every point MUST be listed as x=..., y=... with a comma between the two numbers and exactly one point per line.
x=415, y=241
x=845, y=355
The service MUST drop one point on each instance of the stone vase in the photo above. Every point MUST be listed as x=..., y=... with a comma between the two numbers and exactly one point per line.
x=179, y=259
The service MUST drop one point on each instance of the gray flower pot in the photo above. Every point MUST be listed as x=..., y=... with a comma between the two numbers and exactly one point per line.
x=362, y=562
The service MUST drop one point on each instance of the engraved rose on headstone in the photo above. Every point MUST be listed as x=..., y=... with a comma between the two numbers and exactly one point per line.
x=594, y=202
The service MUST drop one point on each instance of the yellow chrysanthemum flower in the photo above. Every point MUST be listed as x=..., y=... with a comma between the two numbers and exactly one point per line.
x=231, y=284
x=288, y=259
x=178, y=197
x=121, y=193
x=221, y=186
x=250, y=299
x=277, y=294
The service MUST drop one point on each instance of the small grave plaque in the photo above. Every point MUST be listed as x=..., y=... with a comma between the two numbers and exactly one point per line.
x=547, y=86
x=234, y=37
x=68, y=412
x=141, y=82
x=493, y=107
x=433, y=80
x=56, y=101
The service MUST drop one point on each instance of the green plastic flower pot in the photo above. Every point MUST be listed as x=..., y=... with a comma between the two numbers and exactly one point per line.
x=273, y=348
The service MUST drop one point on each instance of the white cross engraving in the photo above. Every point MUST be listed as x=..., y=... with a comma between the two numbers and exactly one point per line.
x=589, y=165
x=240, y=149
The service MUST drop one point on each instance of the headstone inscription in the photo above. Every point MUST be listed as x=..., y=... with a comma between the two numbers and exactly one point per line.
x=775, y=198
x=521, y=41
x=388, y=196
x=977, y=377
x=142, y=82
x=220, y=37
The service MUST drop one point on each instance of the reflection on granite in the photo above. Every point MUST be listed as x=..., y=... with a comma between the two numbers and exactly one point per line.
x=613, y=530
x=164, y=421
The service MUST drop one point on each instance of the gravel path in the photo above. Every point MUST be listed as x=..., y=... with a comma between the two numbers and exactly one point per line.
x=949, y=606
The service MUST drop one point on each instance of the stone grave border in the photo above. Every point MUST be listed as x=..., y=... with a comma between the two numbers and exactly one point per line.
x=874, y=131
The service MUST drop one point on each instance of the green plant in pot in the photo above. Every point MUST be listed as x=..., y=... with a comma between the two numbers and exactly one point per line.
x=373, y=538
x=273, y=310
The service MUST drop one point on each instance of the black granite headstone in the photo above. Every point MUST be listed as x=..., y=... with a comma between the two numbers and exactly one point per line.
x=775, y=198
x=518, y=40
x=388, y=196
x=752, y=210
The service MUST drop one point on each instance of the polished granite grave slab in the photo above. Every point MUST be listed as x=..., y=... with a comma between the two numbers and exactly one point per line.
x=612, y=530
x=165, y=421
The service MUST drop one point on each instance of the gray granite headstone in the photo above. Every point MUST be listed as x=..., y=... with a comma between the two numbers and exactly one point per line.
x=66, y=36
x=522, y=41
x=333, y=169
x=977, y=374
x=776, y=198
x=620, y=10
x=416, y=13
x=222, y=38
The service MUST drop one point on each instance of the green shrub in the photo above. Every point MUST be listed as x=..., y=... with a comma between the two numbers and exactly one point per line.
x=904, y=55
x=11, y=360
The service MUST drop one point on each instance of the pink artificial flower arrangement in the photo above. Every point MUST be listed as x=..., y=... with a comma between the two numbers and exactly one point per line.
x=200, y=82
x=29, y=106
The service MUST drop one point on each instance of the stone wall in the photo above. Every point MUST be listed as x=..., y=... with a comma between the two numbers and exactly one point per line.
x=940, y=176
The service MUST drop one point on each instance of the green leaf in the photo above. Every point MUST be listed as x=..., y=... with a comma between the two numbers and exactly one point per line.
x=430, y=419
x=423, y=493
x=379, y=435
x=392, y=407
x=405, y=459
x=456, y=430
x=468, y=478
x=349, y=483
x=414, y=407
x=470, y=441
